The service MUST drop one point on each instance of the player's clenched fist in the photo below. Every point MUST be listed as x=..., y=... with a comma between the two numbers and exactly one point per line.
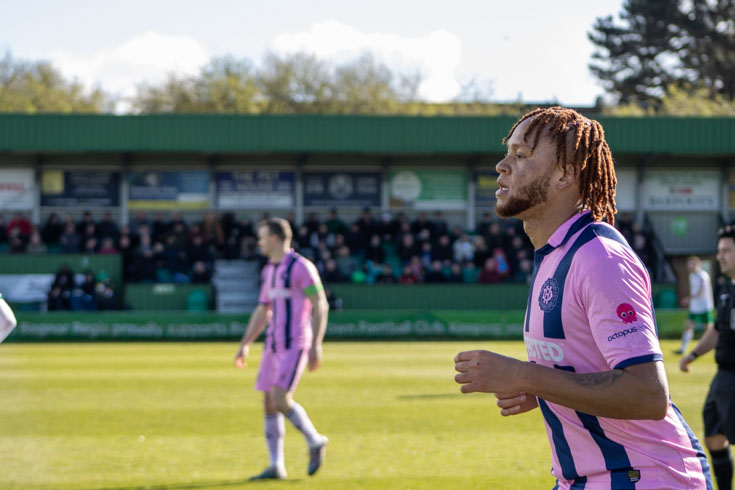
x=486, y=372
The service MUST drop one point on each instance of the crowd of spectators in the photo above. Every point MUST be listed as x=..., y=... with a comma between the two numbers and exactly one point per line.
x=85, y=291
x=390, y=249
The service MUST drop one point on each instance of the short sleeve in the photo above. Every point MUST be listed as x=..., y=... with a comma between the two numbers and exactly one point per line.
x=264, y=298
x=306, y=277
x=616, y=296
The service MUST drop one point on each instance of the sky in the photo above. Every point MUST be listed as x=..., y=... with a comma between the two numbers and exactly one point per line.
x=529, y=50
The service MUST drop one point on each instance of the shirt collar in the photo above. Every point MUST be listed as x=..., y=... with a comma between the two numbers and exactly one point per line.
x=566, y=231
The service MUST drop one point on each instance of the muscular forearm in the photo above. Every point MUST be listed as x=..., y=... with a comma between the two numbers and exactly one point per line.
x=636, y=392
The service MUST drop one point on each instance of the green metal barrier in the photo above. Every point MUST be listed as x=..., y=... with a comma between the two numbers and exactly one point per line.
x=432, y=296
x=167, y=296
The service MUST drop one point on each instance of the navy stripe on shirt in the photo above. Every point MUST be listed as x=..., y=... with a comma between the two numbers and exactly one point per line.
x=287, y=301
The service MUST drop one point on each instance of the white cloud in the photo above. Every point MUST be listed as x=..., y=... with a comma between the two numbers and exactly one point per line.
x=146, y=57
x=435, y=55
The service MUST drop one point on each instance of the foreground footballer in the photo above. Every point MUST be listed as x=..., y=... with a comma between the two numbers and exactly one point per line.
x=594, y=362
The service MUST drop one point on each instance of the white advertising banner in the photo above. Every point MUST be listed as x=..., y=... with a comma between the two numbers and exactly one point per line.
x=25, y=288
x=625, y=192
x=17, y=189
x=682, y=190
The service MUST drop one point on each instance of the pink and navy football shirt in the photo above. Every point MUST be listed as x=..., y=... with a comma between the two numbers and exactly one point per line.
x=285, y=287
x=589, y=310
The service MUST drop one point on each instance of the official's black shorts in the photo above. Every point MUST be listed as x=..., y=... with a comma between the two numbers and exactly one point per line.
x=719, y=408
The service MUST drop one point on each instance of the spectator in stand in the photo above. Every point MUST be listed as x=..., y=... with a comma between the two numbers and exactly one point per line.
x=3, y=230
x=426, y=255
x=302, y=239
x=331, y=273
x=388, y=227
x=88, y=232
x=408, y=276
x=366, y=224
x=455, y=274
x=489, y=273
x=159, y=227
x=177, y=262
x=52, y=230
x=248, y=238
x=443, y=250
x=386, y=276
x=106, y=296
x=35, y=244
x=177, y=219
x=470, y=273
x=463, y=249
x=107, y=228
x=643, y=248
x=84, y=297
x=346, y=264
x=139, y=221
x=483, y=226
x=440, y=226
x=144, y=261
x=89, y=246
x=81, y=227
x=212, y=230
x=16, y=242
x=494, y=236
x=334, y=224
x=70, y=240
x=524, y=272
x=335, y=303
x=435, y=274
x=125, y=248
x=406, y=248
x=200, y=273
x=481, y=252
x=22, y=224
x=60, y=293
x=355, y=239
x=422, y=223
x=417, y=268
x=501, y=263
x=312, y=223
x=374, y=251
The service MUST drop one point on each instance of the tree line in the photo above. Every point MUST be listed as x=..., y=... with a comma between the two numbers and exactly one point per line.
x=674, y=57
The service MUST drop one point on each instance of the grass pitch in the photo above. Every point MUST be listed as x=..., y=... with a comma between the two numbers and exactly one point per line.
x=179, y=416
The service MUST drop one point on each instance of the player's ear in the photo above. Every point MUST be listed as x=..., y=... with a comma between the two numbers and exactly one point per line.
x=566, y=177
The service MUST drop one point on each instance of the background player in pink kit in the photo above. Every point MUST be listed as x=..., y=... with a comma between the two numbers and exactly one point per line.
x=293, y=305
x=594, y=367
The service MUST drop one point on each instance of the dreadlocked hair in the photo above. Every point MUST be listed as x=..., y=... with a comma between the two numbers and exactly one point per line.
x=581, y=145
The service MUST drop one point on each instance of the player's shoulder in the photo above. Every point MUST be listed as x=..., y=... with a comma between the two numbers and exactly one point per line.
x=303, y=263
x=605, y=245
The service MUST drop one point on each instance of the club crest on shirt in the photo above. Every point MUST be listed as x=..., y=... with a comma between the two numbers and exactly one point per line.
x=549, y=295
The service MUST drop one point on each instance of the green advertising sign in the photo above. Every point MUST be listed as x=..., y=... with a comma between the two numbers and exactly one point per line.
x=353, y=325
x=428, y=189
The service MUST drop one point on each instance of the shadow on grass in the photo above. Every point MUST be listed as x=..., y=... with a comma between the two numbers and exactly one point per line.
x=203, y=484
x=428, y=396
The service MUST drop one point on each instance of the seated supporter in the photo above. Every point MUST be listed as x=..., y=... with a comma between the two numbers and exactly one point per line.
x=35, y=245
x=107, y=298
x=408, y=277
x=489, y=273
x=435, y=274
x=386, y=276
x=84, y=296
x=16, y=241
x=374, y=251
x=107, y=247
x=52, y=230
x=346, y=264
x=331, y=273
x=200, y=273
x=70, y=241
